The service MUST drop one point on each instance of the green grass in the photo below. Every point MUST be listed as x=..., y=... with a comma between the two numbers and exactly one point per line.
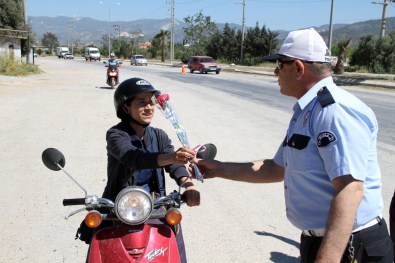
x=9, y=67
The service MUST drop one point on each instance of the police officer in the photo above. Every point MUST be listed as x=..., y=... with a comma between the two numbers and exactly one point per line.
x=328, y=160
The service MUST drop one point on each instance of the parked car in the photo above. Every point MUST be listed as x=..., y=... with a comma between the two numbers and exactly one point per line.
x=68, y=55
x=138, y=60
x=203, y=64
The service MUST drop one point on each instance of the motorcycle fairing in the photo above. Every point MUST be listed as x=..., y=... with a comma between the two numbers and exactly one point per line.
x=142, y=243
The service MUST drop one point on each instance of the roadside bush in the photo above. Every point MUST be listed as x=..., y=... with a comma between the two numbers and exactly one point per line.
x=9, y=67
x=378, y=55
x=251, y=61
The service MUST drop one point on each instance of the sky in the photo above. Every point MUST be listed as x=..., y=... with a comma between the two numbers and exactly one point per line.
x=274, y=14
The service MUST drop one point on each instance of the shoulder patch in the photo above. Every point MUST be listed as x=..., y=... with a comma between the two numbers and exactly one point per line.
x=325, y=138
x=325, y=97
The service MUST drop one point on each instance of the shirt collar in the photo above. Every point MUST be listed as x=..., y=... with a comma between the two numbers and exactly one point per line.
x=312, y=93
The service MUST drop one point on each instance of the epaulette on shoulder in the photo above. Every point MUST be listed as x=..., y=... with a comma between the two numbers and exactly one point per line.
x=325, y=97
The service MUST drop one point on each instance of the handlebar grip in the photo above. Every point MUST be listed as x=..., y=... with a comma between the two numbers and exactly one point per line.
x=74, y=201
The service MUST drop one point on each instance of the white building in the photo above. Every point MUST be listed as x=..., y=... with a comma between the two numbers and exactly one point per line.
x=11, y=42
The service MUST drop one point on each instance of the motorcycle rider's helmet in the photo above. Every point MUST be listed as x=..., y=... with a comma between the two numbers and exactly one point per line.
x=112, y=54
x=126, y=91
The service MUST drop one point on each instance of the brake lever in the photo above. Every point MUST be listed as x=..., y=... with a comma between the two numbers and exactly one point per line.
x=75, y=212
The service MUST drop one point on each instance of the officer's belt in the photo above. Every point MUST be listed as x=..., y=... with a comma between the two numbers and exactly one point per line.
x=321, y=232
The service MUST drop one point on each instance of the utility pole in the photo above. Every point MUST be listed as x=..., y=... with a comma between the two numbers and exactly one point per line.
x=172, y=31
x=117, y=28
x=242, y=33
x=28, y=36
x=70, y=27
x=330, y=29
x=383, y=18
x=109, y=26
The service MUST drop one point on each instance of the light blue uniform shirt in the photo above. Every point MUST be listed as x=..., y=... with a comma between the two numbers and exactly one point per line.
x=323, y=143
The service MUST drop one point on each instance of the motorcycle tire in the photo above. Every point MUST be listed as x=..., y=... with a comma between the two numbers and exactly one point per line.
x=113, y=83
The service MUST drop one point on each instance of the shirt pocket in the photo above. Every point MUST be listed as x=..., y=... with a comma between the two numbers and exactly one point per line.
x=298, y=141
x=301, y=155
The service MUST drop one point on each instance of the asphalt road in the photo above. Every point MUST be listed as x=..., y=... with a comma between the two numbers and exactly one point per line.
x=70, y=107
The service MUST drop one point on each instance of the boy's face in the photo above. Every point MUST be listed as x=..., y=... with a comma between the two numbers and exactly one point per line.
x=142, y=108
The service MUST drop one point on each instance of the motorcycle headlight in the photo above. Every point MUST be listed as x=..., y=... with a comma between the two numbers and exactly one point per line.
x=133, y=205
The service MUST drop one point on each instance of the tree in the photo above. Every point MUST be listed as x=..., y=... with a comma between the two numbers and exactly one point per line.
x=50, y=41
x=342, y=47
x=104, y=44
x=161, y=41
x=214, y=47
x=199, y=29
x=259, y=42
x=377, y=55
x=365, y=52
x=122, y=48
x=12, y=15
x=230, y=44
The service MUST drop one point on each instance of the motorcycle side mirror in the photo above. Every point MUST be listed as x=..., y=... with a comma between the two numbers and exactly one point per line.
x=206, y=151
x=52, y=158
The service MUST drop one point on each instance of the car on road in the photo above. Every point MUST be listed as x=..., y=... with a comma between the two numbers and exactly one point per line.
x=92, y=53
x=203, y=64
x=138, y=60
x=68, y=55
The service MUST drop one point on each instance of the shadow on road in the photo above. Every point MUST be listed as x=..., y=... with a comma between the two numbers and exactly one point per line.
x=278, y=256
x=106, y=87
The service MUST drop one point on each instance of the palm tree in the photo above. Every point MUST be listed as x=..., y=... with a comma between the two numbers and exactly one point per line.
x=343, y=46
x=162, y=37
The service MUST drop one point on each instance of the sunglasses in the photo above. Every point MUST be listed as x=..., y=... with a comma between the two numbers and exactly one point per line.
x=280, y=64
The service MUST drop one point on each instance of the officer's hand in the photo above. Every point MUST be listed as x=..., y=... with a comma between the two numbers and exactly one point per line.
x=208, y=168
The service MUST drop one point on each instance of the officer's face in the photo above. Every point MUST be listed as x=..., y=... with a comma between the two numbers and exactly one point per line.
x=284, y=72
x=142, y=108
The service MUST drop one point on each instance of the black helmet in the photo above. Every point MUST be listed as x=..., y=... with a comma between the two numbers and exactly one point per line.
x=127, y=90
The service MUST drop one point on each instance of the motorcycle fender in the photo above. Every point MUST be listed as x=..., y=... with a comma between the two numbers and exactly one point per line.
x=143, y=243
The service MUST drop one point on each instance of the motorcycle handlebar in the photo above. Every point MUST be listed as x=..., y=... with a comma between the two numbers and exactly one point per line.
x=74, y=201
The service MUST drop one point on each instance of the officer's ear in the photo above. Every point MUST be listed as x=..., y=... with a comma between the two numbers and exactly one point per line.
x=300, y=69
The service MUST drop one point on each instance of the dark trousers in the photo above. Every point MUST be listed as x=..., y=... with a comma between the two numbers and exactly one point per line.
x=371, y=244
x=392, y=221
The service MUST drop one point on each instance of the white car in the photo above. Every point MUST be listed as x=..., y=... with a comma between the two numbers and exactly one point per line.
x=68, y=55
x=138, y=60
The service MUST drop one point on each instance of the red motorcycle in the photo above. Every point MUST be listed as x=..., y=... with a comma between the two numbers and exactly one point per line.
x=112, y=74
x=138, y=227
x=112, y=77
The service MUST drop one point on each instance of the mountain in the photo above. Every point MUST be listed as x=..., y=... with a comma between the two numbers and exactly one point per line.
x=83, y=30
x=357, y=30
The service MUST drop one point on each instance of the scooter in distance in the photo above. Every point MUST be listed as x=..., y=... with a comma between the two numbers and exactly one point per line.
x=112, y=74
x=138, y=227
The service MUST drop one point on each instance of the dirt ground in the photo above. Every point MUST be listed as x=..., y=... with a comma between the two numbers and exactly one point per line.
x=69, y=108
